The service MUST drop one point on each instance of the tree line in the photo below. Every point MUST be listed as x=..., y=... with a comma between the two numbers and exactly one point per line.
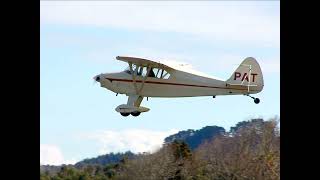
x=250, y=150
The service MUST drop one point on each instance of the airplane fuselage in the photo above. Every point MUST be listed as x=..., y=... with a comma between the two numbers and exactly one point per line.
x=179, y=84
x=147, y=78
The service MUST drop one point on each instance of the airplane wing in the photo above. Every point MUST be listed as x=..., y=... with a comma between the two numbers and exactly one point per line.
x=143, y=62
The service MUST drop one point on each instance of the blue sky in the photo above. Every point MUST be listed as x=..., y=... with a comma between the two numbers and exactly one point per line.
x=81, y=39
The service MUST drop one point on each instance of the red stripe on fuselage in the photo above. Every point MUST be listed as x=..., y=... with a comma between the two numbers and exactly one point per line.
x=176, y=84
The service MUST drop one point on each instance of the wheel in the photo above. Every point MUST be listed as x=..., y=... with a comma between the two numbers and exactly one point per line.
x=256, y=100
x=125, y=114
x=136, y=113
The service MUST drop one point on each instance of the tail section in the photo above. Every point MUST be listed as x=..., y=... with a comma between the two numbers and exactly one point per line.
x=248, y=74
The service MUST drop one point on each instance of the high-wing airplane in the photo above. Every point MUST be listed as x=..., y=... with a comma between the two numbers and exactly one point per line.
x=147, y=78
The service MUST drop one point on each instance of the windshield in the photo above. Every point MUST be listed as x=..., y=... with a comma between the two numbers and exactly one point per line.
x=127, y=70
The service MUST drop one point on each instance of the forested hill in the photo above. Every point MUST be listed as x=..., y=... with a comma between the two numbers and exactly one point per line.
x=196, y=137
x=105, y=159
x=196, y=154
x=192, y=137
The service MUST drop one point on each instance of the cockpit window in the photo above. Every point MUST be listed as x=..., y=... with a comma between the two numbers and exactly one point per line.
x=154, y=72
x=127, y=71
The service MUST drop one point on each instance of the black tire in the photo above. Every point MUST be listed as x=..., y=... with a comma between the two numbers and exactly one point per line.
x=256, y=100
x=136, y=113
x=125, y=114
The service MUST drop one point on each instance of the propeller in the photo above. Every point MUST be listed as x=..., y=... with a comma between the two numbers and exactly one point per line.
x=96, y=79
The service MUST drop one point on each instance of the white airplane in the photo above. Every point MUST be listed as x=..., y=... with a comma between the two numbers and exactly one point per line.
x=147, y=78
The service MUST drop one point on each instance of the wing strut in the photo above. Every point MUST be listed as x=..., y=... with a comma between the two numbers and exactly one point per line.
x=144, y=79
x=138, y=91
x=134, y=76
x=134, y=100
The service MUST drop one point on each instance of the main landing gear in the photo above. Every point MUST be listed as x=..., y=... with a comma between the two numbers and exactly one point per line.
x=135, y=113
x=255, y=100
x=125, y=114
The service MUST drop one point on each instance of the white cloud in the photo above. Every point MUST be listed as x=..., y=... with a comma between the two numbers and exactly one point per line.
x=242, y=22
x=135, y=140
x=52, y=155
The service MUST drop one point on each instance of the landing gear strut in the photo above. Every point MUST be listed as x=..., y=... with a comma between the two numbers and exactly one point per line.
x=255, y=100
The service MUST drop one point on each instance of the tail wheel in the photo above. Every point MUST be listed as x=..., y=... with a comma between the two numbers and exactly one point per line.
x=256, y=100
x=136, y=113
x=125, y=114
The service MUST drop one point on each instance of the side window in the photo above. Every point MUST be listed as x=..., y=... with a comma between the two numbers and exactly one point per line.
x=134, y=67
x=155, y=72
x=142, y=71
x=165, y=75
x=160, y=73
